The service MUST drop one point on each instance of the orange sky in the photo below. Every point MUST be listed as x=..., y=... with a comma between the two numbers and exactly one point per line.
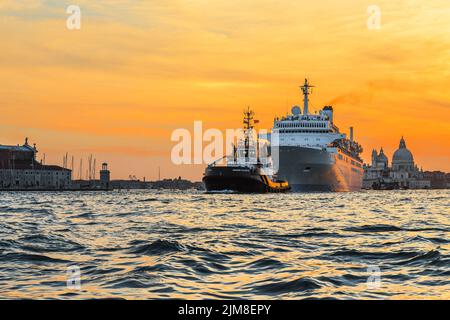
x=137, y=70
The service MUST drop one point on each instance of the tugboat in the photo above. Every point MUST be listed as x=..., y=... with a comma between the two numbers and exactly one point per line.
x=244, y=171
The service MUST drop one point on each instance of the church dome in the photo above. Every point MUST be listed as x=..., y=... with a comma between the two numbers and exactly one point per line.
x=402, y=154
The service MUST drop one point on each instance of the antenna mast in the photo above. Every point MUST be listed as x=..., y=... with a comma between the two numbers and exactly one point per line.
x=248, y=126
x=306, y=91
x=248, y=119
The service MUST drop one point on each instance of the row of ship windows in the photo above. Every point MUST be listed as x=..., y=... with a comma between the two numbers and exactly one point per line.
x=305, y=139
x=304, y=131
x=302, y=125
x=352, y=161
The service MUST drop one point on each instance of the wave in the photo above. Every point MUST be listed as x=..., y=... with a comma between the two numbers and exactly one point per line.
x=428, y=239
x=346, y=279
x=389, y=228
x=153, y=268
x=44, y=243
x=222, y=192
x=88, y=215
x=399, y=257
x=209, y=255
x=130, y=283
x=6, y=244
x=307, y=233
x=352, y=253
x=155, y=248
x=149, y=200
x=282, y=287
x=24, y=210
x=319, y=235
x=197, y=266
x=183, y=229
x=374, y=228
x=34, y=258
x=266, y=263
x=429, y=257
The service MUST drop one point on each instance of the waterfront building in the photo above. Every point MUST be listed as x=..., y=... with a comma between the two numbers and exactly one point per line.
x=438, y=179
x=19, y=169
x=403, y=173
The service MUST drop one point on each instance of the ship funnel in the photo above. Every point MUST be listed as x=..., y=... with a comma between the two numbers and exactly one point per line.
x=328, y=110
x=351, y=134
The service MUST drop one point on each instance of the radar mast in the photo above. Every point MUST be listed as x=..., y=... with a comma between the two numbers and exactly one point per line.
x=306, y=91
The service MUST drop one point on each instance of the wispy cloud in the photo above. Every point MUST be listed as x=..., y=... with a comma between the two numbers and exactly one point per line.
x=136, y=64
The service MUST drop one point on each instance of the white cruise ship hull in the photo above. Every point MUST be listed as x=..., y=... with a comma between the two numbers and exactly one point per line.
x=308, y=169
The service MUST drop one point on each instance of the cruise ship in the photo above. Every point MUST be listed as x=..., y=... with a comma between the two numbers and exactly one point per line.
x=310, y=152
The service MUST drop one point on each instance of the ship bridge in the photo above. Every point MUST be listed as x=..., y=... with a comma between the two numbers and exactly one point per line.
x=310, y=130
x=313, y=131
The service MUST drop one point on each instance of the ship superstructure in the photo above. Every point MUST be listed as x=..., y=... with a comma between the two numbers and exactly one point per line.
x=249, y=167
x=311, y=153
x=250, y=150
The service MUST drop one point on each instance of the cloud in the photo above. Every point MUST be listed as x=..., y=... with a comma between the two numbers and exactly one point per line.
x=14, y=5
x=136, y=69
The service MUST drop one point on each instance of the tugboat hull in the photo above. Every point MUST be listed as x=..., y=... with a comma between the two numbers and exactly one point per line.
x=240, y=179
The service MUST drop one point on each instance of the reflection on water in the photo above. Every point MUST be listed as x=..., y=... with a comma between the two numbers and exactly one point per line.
x=151, y=244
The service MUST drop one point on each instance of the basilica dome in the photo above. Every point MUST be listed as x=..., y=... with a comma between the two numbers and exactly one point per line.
x=403, y=158
x=402, y=154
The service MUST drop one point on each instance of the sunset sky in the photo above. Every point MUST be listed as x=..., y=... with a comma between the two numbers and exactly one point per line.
x=139, y=69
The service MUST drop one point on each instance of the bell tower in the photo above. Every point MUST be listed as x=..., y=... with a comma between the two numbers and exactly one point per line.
x=105, y=175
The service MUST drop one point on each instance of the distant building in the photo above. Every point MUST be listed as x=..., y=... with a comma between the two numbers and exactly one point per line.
x=170, y=184
x=105, y=176
x=438, y=179
x=402, y=174
x=20, y=170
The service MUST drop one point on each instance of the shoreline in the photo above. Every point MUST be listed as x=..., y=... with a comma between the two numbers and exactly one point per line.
x=195, y=189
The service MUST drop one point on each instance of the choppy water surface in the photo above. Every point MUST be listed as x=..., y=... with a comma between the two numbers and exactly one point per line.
x=150, y=244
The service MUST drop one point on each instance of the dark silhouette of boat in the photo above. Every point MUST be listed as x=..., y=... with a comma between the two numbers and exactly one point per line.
x=244, y=171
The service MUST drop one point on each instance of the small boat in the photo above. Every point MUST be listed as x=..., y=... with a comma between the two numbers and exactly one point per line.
x=383, y=185
x=244, y=171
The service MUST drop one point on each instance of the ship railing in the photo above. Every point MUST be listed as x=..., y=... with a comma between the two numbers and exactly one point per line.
x=350, y=154
x=335, y=128
x=213, y=164
x=331, y=149
x=231, y=161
